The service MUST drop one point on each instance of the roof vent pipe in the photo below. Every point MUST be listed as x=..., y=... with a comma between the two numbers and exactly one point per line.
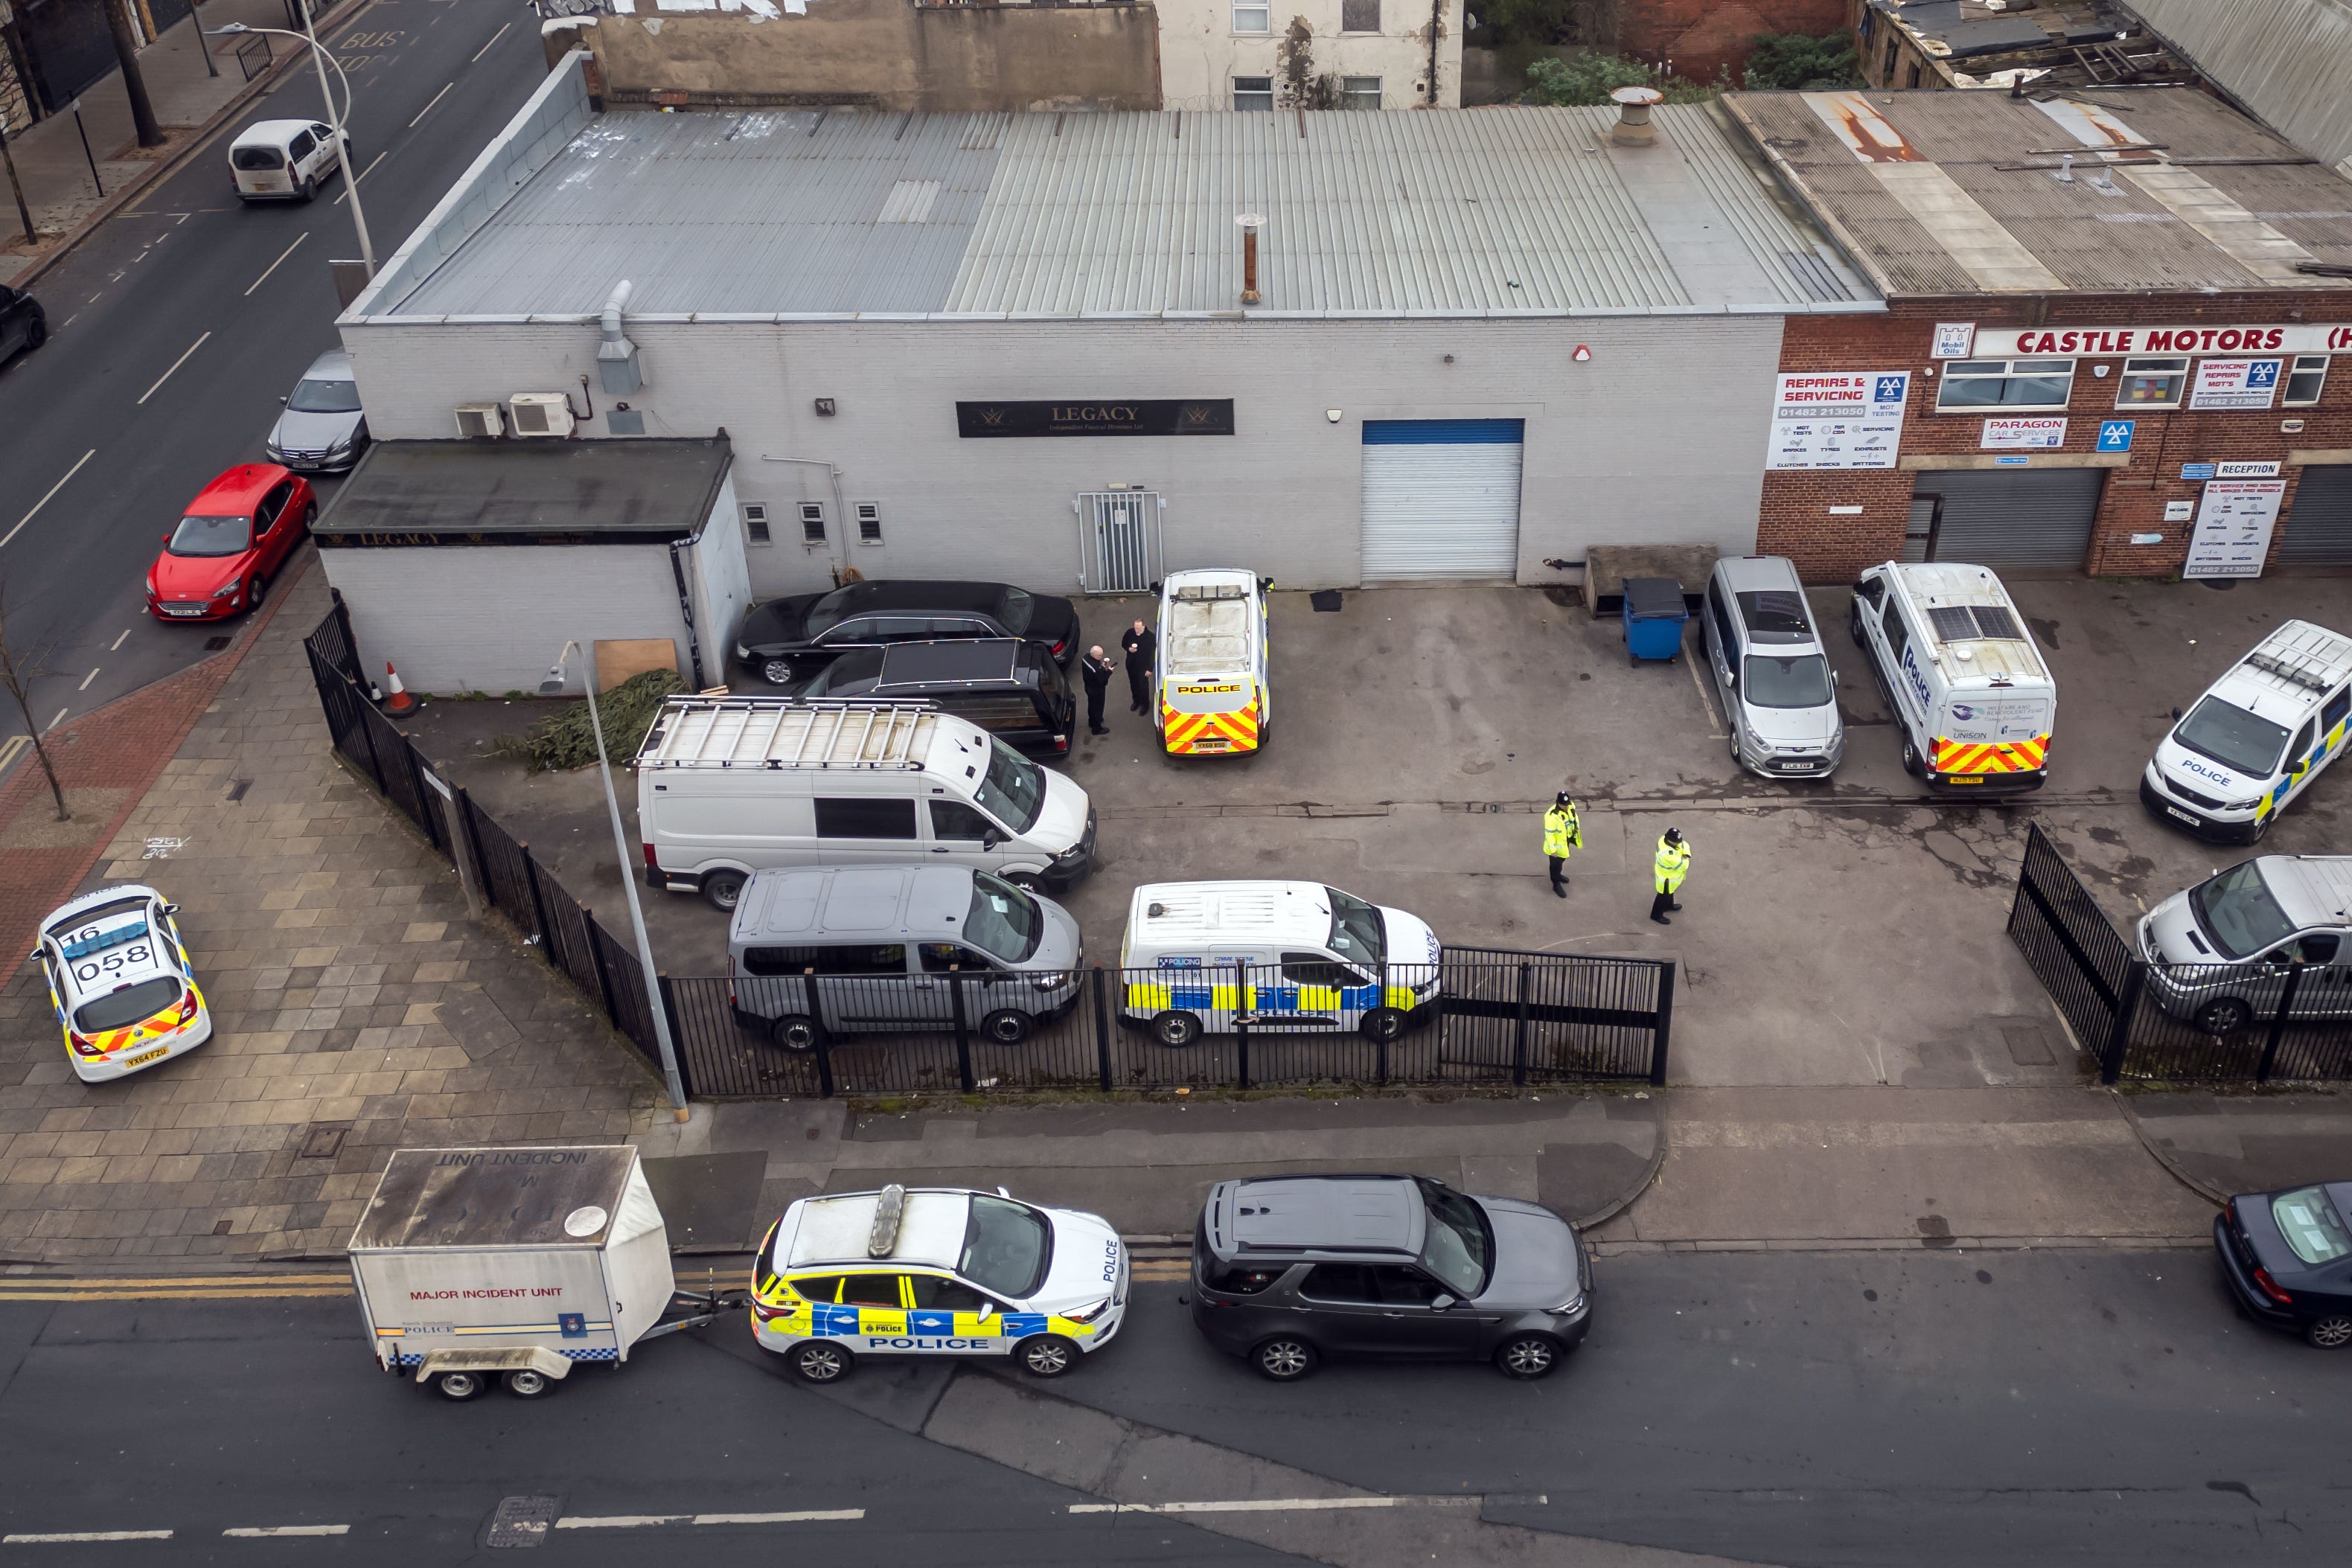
x=2065, y=168
x=617, y=357
x=1633, y=127
x=1251, y=223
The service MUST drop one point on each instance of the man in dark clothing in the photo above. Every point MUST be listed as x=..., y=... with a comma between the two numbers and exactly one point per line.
x=1096, y=669
x=1142, y=650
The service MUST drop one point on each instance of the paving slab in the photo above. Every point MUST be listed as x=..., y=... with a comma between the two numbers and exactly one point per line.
x=2223, y=1145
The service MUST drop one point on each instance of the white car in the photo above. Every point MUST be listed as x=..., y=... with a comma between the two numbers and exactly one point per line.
x=935, y=1271
x=121, y=982
x=285, y=160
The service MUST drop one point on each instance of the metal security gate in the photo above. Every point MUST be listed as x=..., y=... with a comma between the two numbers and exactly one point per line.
x=2016, y=516
x=1119, y=540
x=1442, y=498
x=2318, y=528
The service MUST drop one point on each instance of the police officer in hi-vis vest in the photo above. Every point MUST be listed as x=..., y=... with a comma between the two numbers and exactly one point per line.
x=1674, y=860
x=1561, y=835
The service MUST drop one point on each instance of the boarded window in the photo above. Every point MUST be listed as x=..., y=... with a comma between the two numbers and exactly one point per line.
x=1359, y=15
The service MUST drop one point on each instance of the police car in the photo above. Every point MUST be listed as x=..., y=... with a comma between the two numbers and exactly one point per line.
x=2257, y=737
x=935, y=1271
x=121, y=982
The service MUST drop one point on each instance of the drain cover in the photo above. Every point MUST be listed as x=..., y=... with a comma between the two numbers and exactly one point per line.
x=322, y=1143
x=523, y=1520
x=215, y=644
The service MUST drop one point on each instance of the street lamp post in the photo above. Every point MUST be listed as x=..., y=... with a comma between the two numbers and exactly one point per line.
x=553, y=687
x=335, y=122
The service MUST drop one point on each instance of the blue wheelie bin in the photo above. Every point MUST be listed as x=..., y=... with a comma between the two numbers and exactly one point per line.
x=1653, y=618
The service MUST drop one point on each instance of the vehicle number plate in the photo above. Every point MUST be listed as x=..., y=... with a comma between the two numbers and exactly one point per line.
x=2176, y=811
x=1978, y=780
x=145, y=1056
x=184, y=610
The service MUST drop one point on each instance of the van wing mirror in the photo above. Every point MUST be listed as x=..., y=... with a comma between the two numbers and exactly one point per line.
x=989, y=838
x=1441, y=1303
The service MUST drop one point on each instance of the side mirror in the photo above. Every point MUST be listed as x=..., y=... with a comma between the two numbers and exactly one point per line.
x=1441, y=1303
x=2176, y=713
x=281, y=402
x=1155, y=585
x=1264, y=583
x=988, y=840
x=171, y=909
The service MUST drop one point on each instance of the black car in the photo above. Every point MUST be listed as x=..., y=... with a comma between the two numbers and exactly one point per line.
x=785, y=641
x=1289, y=1270
x=2288, y=1258
x=22, y=323
x=1012, y=689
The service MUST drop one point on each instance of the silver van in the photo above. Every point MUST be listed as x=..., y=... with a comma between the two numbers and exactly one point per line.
x=2218, y=955
x=1765, y=649
x=844, y=950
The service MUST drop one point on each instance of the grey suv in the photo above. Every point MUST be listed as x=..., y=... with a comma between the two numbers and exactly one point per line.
x=1289, y=1270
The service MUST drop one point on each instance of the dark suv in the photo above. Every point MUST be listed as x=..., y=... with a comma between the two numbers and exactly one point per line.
x=1289, y=1270
x=23, y=324
x=788, y=640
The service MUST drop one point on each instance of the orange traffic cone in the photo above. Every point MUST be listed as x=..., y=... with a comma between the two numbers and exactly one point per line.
x=399, y=701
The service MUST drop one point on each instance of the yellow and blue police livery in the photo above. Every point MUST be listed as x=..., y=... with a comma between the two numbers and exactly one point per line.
x=121, y=982
x=2257, y=737
x=935, y=1271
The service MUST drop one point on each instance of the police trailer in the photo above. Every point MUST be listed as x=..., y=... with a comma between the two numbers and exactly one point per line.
x=516, y=1265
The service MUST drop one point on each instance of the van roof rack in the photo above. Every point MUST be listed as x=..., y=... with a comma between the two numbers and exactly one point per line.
x=778, y=733
x=2305, y=656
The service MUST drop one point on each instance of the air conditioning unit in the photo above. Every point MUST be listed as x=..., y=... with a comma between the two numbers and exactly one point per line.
x=541, y=413
x=481, y=418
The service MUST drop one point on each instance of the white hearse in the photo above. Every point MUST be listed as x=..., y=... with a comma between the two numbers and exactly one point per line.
x=2257, y=737
x=1974, y=702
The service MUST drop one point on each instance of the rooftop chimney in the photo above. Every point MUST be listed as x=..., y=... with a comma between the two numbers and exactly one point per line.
x=617, y=357
x=1250, y=223
x=1633, y=127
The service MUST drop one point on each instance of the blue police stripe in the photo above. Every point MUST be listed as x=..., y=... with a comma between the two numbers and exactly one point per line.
x=1019, y=1324
x=1187, y=996
x=931, y=1323
x=825, y=1318
x=1445, y=432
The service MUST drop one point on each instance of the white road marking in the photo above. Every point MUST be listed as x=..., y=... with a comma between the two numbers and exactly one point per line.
x=45, y=499
x=56, y=721
x=117, y=643
x=93, y=298
x=273, y=266
x=12, y=748
x=167, y=376
x=184, y=218
x=429, y=107
x=641, y=1520
x=60, y=1536
x=1277, y=1505
x=1705, y=700
x=361, y=175
x=486, y=47
x=87, y=679
x=69, y=320
x=252, y=1530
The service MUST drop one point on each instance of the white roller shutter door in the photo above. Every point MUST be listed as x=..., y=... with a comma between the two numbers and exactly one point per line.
x=1442, y=498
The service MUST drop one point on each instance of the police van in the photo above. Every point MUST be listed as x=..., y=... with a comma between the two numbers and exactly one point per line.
x=935, y=1271
x=1974, y=702
x=1296, y=956
x=1213, y=698
x=2257, y=737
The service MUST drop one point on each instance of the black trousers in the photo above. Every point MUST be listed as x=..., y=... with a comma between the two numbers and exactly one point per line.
x=1139, y=684
x=1661, y=904
x=1094, y=707
x=1559, y=870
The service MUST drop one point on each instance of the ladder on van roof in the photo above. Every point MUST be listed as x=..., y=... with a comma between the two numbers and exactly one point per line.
x=786, y=732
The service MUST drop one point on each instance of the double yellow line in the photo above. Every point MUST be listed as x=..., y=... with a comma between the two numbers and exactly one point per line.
x=170, y=1288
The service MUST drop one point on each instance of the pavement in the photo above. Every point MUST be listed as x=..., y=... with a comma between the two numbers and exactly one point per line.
x=2219, y=1145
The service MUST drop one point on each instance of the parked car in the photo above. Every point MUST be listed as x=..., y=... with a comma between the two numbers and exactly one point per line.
x=1212, y=697
x=237, y=532
x=2218, y=954
x=285, y=160
x=1010, y=688
x=1764, y=649
x=23, y=325
x=2287, y=1256
x=2257, y=737
x=825, y=952
x=323, y=429
x=1287, y=1270
x=935, y=1271
x=121, y=982
x=786, y=640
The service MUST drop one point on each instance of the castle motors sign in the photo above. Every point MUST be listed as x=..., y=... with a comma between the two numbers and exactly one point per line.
x=2004, y=343
x=1130, y=416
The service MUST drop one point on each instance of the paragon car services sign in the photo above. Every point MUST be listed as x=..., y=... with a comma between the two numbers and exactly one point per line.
x=1102, y=416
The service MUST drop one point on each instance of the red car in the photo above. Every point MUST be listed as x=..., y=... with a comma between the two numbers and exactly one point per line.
x=239, y=531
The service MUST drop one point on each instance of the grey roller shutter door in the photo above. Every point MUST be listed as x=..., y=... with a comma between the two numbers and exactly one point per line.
x=1442, y=498
x=2318, y=528
x=2026, y=517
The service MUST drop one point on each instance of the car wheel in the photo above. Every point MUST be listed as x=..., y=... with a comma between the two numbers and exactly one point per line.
x=1733, y=738
x=1528, y=1357
x=1026, y=881
x=1177, y=1030
x=37, y=334
x=722, y=890
x=1005, y=1025
x=820, y=1361
x=795, y=1032
x=1911, y=760
x=2226, y=1016
x=2262, y=830
x=308, y=192
x=2333, y=1331
x=1047, y=1356
x=530, y=1383
x=777, y=672
x=1383, y=1025
x=461, y=1385
x=1853, y=621
x=253, y=588
x=1283, y=1359
x=310, y=516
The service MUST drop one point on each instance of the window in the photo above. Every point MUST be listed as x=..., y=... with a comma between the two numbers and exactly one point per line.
x=2233, y=737
x=1013, y=789
x=818, y=1288
x=1254, y=92
x=258, y=159
x=1898, y=640
x=934, y=1294
x=783, y=960
x=1460, y=1248
x=848, y=633
x=1873, y=589
x=1005, y=1248
x=1360, y=92
x=2334, y=714
x=1360, y=16
x=1911, y=74
x=1886, y=71
x=866, y=817
x=122, y=1007
x=870, y=1291
x=954, y=821
x=1725, y=639
x=1003, y=920
x=2152, y=383
x=211, y=536
x=1356, y=929
x=271, y=505
x=2238, y=912
x=324, y=397
x=2301, y=746
x=2311, y=1226
x=869, y=523
x=1241, y=1279
x=1340, y=1282
x=2005, y=384
x=1315, y=969
x=1787, y=681
x=939, y=958
x=301, y=146
x=813, y=522
x=1257, y=18
x=890, y=960
x=755, y=523
x=2304, y=380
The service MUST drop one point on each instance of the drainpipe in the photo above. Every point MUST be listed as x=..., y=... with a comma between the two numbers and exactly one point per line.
x=1436, y=26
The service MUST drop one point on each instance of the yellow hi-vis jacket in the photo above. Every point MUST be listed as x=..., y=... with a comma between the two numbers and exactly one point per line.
x=1561, y=832
x=1674, y=860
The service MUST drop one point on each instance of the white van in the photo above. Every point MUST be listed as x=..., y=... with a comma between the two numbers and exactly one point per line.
x=728, y=786
x=1297, y=955
x=1213, y=698
x=285, y=160
x=1975, y=703
x=2220, y=954
x=2257, y=737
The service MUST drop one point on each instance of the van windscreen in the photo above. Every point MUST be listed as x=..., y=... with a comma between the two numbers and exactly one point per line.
x=2225, y=733
x=1793, y=681
x=2237, y=911
x=1004, y=922
x=1014, y=790
x=1356, y=931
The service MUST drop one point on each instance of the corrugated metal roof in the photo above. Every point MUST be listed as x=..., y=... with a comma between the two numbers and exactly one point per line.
x=1443, y=211
x=2288, y=60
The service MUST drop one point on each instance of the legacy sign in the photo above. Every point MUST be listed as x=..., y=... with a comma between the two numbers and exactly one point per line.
x=2004, y=343
x=1128, y=416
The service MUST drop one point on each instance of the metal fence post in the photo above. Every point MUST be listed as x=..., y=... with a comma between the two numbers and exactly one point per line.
x=538, y=901
x=1522, y=1027
x=962, y=1030
x=472, y=837
x=342, y=614
x=1101, y=988
x=1240, y=1022
x=1665, y=1026
x=2278, y=1024
x=825, y=1085
x=367, y=734
x=2118, y=1040
x=668, y=1004
x=603, y=976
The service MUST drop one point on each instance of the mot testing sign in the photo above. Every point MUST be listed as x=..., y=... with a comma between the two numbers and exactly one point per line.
x=1837, y=419
x=2041, y=435
x=2234, y=520
x=2235, y=384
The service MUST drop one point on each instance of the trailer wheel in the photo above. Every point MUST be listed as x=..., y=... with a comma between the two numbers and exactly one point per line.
x=820, y=1361
x=530, y=1383
x=462, y=1386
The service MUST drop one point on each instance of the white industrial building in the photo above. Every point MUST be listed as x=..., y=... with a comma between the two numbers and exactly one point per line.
x=1015, y=346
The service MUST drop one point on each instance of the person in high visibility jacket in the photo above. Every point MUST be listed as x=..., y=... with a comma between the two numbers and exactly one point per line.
x=1561, y=835
x=1672, y=862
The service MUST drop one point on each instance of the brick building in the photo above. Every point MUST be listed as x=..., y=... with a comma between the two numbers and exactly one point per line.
x=2110, y=319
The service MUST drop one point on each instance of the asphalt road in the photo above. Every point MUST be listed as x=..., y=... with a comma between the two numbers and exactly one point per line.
x=178, y=326
x=1923, y=1407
